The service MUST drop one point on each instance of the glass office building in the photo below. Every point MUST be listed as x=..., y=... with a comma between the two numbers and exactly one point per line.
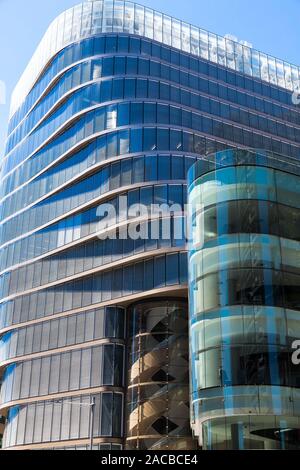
x=244, y=300
x=116, y=105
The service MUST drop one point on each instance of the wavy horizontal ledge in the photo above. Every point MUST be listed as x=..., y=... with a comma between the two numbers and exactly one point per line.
x=91, y=203
x=84, y=111
x=79, y=241
x=56, y=78
x=84, y=142
x=57, y=396
x=100, y=79
x=89, y=172
x=178, y=290
x=50, y=352
x=107, y=267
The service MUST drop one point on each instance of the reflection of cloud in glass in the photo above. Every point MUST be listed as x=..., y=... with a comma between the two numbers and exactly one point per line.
x=97, y=17
x=296, y=94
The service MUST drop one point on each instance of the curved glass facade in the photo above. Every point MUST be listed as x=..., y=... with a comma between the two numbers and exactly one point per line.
x=85, y=136
x=117, y=104
x=117, y=16
x=66, y=420
x=244, y=282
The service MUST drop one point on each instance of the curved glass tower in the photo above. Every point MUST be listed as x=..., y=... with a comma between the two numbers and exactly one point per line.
x=244, y=278
x=116, y=105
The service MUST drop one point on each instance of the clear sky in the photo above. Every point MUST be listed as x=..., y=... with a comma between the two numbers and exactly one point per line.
x=272, y=26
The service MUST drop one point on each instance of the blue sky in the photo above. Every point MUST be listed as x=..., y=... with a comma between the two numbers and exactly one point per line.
x=270, y=25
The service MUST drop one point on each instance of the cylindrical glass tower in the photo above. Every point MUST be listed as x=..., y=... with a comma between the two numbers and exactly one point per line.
x=244, y=278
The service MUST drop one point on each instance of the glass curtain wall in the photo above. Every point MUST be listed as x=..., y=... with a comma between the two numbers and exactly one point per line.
x=116, y=105
x=244, y=279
